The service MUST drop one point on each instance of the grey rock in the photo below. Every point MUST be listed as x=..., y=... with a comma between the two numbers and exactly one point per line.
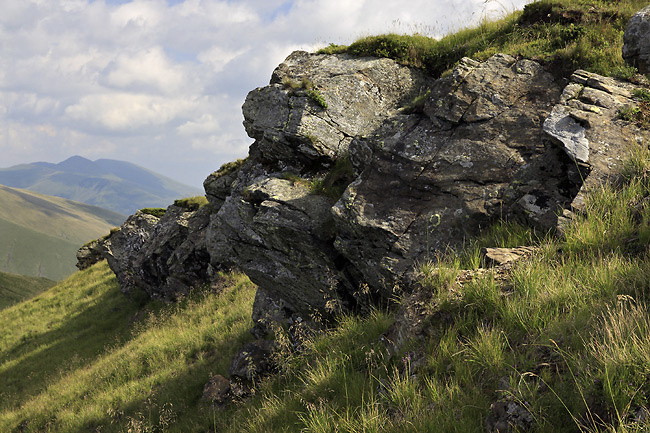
x=586, y=124
x=164, y=257
x=125, y=246
x=561, y=126
x=268, y=312
x=508, y=416
x=89, y=254
x=281, y=236
x=253, y=361
x=217, y=390
x=636, y=41
x=430, y=181
x=291, y=129
x=503, y=256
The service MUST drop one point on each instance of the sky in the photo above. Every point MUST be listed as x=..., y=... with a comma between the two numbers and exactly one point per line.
x=160, y=83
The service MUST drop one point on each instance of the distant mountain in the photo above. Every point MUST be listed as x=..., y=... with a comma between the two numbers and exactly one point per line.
x=17, y=288
x=116, y=185
x=40, y=235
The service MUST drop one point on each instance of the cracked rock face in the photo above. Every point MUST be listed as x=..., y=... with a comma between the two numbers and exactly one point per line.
x=494, y=140
x=636, y=41
x=432, y=180
x=292, y=129
x=165, y=257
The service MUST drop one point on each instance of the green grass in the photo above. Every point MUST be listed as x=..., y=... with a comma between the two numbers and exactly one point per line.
x=562, y=34
x=17, y=288
x=41, y=234
x=191, y=203
x=565, y=335
x=82, y=355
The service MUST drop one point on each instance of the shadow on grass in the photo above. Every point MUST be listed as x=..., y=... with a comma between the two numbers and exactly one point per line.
x=75, y=344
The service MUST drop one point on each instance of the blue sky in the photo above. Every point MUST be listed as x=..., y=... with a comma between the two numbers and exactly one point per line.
x=160, y=83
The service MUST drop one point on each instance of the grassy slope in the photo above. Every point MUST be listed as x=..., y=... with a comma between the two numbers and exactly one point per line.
x=17, y=288
x=41, y=234
x=81, y=355
x=568, y=338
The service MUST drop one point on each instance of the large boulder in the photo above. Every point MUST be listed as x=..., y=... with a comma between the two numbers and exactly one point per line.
x=636, y=41
x=315, y=104
x=164, y=257
x=495, y=140
x=431, y=180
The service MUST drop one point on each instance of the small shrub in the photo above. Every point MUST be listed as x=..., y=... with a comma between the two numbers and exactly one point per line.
x=158, y=212
x=229, y=167
x=316, y=96
x=336, y=181
x=191, y=203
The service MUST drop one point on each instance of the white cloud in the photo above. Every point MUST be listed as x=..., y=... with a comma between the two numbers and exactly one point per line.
x=161, y=83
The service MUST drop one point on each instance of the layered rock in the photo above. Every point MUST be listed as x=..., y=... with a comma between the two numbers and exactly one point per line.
x=495, y=140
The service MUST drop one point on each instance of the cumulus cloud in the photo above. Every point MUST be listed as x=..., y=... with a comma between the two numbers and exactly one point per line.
x=160, y=82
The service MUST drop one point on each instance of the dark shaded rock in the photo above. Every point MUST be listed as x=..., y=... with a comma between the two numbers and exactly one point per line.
x=268, y=313
x=253, y=361
x=508, y=416
x=164, y=257
x=636, y=41
x=91, y=253
x=125, y=246
x=431, y=181
x=217, y=390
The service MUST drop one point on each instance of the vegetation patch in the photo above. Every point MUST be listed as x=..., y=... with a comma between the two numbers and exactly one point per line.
x=308, y=87
x=229, y=167
x=158, y=212
x=564, y=35
x=191, y=203
x=336, y=180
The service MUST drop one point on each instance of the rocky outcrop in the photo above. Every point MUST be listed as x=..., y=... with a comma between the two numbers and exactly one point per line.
x=636, y=41
x=164, y=257
x=427, y=164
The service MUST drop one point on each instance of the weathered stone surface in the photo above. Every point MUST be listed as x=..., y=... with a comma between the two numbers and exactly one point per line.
x=90, y=254
x=636, y=41
x=508, y=416
x=281, y=236
x=291, y=129
x=503, y=256
x=589, y=108
x=165, y=257
x=268, y=312
x=217, y=390
x=123, y=247
x=494, y=140
x=430, y=181
x=175, y=259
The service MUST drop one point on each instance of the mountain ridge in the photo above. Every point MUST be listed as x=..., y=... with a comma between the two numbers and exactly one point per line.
x=116, y=185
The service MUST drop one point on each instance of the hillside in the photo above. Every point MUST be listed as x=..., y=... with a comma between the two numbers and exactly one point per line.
x=116, y=185
x=417, y=242
x=41, y=234
x=18, y=288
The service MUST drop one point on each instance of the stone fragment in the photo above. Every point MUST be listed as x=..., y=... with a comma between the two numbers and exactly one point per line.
x=216, y=390
x=253, y=361
x=503, y=256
